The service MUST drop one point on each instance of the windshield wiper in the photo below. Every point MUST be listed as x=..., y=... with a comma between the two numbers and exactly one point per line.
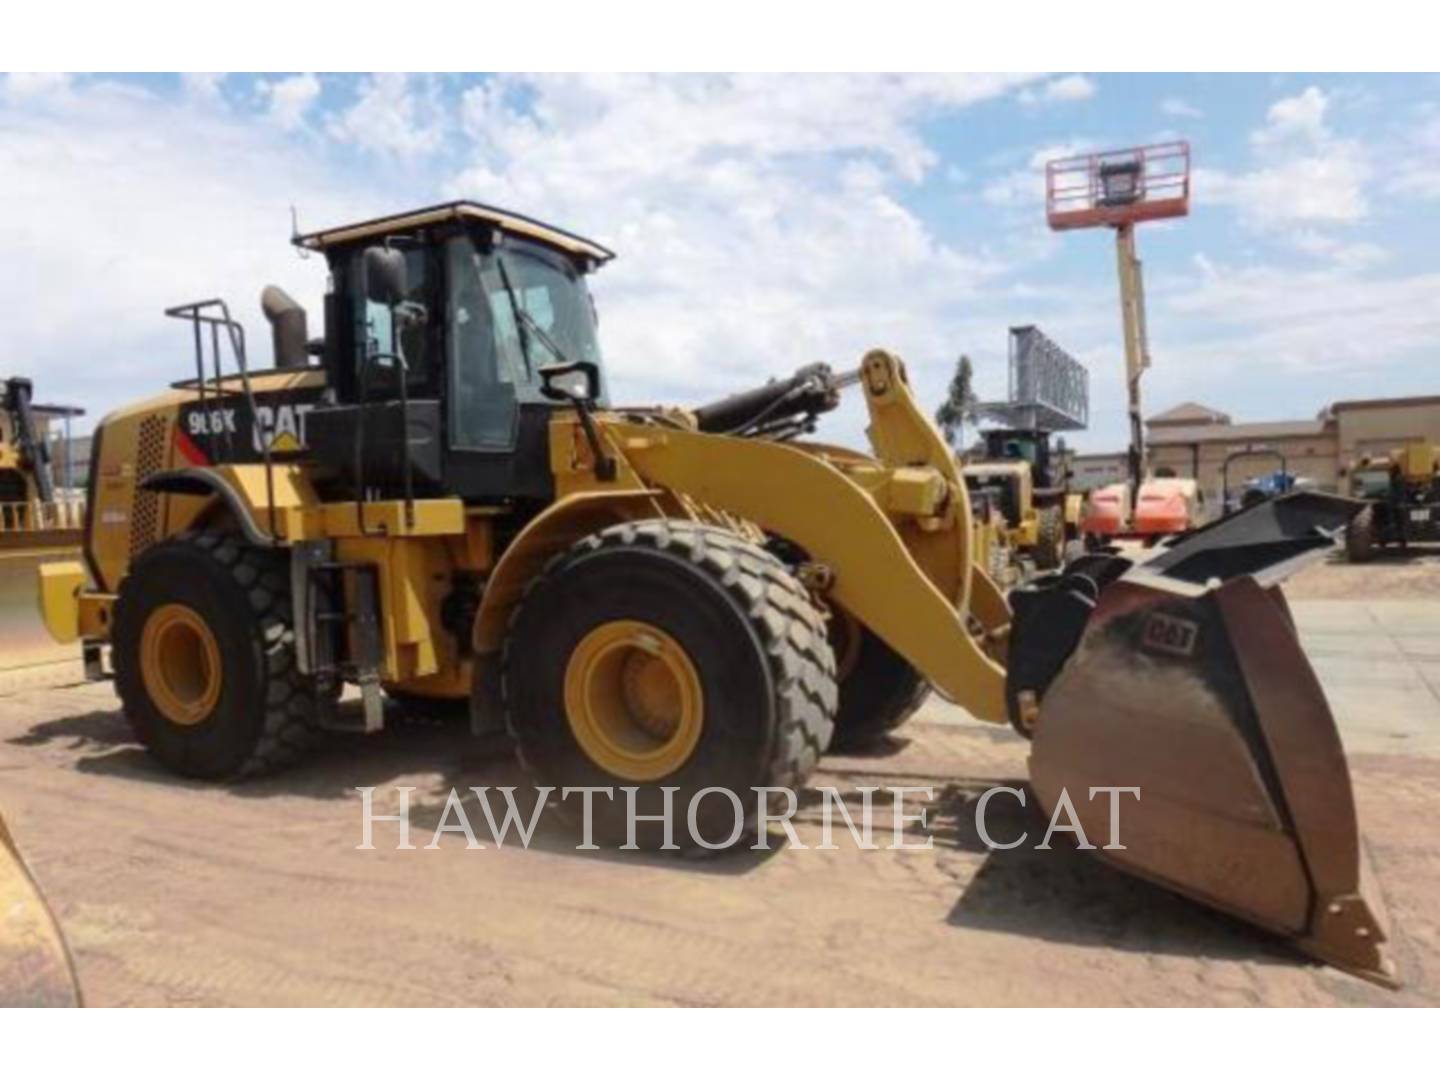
x=544, y=336
x=522, y=317
x=527, y=323
x=530, y=322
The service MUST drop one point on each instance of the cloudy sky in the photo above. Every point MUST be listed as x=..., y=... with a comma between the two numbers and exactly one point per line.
x=762, y=221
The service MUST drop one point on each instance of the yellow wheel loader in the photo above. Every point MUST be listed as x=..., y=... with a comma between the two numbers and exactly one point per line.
x=1041, y=516
x=1402, y=500
x=447, y=505
x=39, y=524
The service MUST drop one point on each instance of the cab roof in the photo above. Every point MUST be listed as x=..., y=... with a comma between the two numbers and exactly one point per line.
x=463, y=210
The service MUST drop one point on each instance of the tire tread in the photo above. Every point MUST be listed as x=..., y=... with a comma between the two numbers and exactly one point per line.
x=290, y=727
x=777, y=607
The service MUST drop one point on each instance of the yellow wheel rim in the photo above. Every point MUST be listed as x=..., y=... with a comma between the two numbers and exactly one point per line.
x=180, y=663
x=633, y=700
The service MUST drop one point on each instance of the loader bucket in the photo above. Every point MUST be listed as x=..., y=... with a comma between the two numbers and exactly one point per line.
x=1183, y=677
x=35, y=965
x=29, y=656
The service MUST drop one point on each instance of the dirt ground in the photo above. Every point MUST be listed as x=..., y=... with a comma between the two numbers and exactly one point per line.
x=178, y=893
x=1392, y=575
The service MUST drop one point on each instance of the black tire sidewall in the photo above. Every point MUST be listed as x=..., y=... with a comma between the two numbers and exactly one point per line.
x=656, y=587
x=878, y=694
x=183, y=573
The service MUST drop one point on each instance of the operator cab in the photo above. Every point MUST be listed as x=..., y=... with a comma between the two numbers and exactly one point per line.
x=438, y=323
x=1022, y=444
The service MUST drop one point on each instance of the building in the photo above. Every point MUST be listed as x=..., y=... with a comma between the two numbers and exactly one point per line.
x=1197, y=441
x=1379, y=425
x=1091, y=471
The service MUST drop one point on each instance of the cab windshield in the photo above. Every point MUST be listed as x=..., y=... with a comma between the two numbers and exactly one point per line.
x=496, y=354
x=1370, y=483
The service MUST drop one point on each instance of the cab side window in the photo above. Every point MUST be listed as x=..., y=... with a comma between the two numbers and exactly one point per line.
x=483, y=349
x=376, y=340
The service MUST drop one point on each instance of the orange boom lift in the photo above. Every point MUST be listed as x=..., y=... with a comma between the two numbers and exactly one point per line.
x=1119, y=189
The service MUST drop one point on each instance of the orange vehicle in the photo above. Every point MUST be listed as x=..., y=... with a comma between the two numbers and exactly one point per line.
x=1107, y=513
x=1167, y=505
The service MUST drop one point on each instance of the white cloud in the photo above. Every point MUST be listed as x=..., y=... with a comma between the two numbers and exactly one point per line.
x=1323, y=188
x=134, y=202
x=395, y=114
x=1301, y=117
x=1330, y=319
x=1174, y=106
x=1413, y=161
x=289, y=99
x=1342, y=253
x=1303, y=175
x=759, y=218
x=1065, y=88
x=21, y=85
x=202, y=85
x=1026, y=186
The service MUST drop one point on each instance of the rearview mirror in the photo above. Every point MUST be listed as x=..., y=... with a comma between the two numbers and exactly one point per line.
x=385, y=276
x=577, y=381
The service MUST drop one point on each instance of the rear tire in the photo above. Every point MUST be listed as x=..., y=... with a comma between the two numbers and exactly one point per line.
x=1360, y=536
x=1050, y=538
x=733, y=629
x=879, y=689
x=204, y=655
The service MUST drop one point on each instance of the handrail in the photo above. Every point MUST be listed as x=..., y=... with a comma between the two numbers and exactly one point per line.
x=192, y=312
x=1074, y=186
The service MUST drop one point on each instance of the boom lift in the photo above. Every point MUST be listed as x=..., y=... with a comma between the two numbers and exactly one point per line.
x=1119, y=189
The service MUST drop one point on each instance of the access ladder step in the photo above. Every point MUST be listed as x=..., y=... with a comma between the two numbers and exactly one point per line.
x=343, y=628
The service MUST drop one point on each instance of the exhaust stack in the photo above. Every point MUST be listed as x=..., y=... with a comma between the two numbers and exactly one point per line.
x=287, y=327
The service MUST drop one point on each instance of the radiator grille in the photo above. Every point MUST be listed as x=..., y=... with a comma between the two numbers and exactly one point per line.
x=145, y=507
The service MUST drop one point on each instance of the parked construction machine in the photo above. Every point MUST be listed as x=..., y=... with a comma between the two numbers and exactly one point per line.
x=670, y=600
x=39, y=523
x=1167, y=506
x=1041, y=513
x=1402, y=500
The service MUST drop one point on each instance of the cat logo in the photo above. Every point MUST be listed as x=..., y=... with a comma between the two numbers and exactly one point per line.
x=281, y=428
x=284, y=443
x=1169, y=634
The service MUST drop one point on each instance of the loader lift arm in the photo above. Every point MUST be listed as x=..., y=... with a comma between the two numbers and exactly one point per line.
x=33, y=451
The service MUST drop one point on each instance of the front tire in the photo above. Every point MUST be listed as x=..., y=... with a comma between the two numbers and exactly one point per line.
x=1360, y=536
x=204, y=654
x=1050, y=538
x=668, y=654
